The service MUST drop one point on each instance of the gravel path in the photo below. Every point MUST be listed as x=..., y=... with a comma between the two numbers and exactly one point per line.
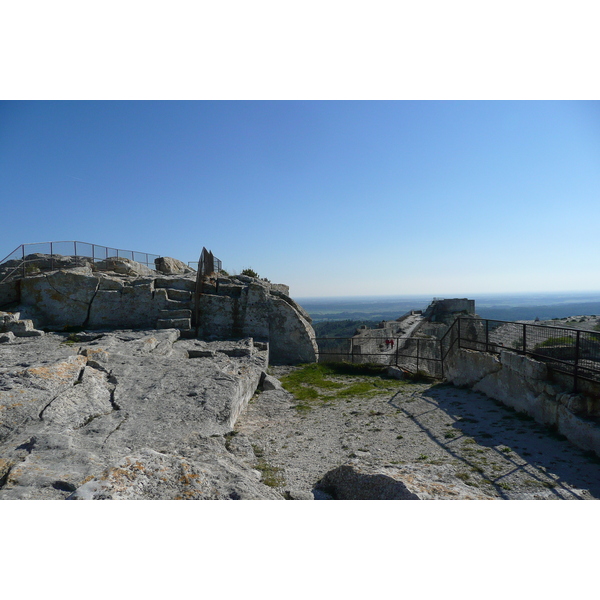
x=484, y=445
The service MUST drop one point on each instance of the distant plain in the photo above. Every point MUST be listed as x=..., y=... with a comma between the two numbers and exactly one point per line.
x=505, y=307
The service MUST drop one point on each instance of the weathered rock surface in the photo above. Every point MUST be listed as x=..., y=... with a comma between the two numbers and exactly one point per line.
x=522, y=383
x=124, y=266
x=12, y=325
x=171, y=266
x=125, y=414
x=129, y=295
x=412, y=482
x=205, y=472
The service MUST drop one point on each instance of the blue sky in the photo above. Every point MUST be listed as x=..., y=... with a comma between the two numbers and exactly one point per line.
x=334, y=198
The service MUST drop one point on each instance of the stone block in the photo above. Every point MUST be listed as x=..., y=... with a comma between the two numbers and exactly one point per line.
x=173, y=323
x=24, y=328
x=171, y=266
x=395, y=372
x=179, y=295
x=227, y=289
x=63, y=297
x=176, y=283
x=7, y=338
x=270, y=383
x=523, y=365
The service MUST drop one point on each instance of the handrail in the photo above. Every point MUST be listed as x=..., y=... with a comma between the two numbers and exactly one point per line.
x=581, y=346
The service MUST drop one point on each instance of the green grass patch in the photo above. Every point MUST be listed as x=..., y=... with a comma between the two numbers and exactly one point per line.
x=557, y=341
x=318, y=383
x=271, y=475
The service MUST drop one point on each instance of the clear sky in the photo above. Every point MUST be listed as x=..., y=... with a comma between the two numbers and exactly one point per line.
x=330, y=197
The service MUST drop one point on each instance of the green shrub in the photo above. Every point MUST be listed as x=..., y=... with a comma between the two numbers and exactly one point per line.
x=250, y=273
x=557, y=341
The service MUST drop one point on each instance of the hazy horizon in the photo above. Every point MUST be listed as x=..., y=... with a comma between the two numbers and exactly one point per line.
x=472, y=296
x=506, y=307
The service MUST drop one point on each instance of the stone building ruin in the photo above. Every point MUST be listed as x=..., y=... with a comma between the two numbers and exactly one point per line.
x=66, y=293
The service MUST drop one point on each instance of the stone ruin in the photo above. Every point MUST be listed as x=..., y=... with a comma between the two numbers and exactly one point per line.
x=71, y=293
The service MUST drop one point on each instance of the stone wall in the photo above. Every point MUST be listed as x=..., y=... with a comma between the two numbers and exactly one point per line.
x=525, y=385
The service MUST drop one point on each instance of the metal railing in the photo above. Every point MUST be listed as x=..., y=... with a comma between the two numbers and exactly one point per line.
x=29, y=259
x=411, y=353
x=573, y=352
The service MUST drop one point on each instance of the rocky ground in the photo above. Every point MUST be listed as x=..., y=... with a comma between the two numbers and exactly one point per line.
x=125, y=415
x=438, y=440
x=146, y=415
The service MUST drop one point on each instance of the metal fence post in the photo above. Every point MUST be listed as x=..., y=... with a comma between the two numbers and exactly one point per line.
x=487, y=335
x=418, y=352
x=352, y=350
x=575, y=368
x=524, y=338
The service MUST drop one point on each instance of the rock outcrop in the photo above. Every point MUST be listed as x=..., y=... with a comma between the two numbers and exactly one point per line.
x=125, y=414
x=119, y=293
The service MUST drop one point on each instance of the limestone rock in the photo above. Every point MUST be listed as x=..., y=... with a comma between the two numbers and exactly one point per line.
x=395, y=372
x=154, y=475
x=64, y=297
x=171, y=266
x=270, y=383
x=132, y=296
x=124, y=266
x=91, y=407
x=411, y=482
x=298, y=495
x=7, y=338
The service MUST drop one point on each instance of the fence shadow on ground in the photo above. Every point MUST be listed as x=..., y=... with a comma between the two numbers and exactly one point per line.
x=516, y=439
